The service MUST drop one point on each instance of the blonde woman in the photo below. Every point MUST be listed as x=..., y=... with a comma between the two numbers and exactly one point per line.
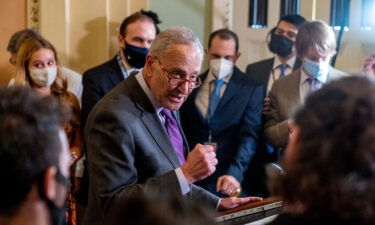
x=37, y=66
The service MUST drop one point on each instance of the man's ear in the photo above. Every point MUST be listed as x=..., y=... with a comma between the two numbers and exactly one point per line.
x=121, y=41
x=150, y=59
x=49, y=183
x=238, y=54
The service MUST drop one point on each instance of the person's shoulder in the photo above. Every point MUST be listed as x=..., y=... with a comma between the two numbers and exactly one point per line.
x=335, y=73
x=100, y=70
x=247, y=79
x=259, y=64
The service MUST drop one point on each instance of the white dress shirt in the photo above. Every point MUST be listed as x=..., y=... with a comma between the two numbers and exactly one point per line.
x=275, y=72
x=203, y=96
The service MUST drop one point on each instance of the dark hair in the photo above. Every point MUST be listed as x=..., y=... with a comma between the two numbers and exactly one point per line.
x=333, y=169
x=29, y=142
x=140, y=15
x=294, y=19
x=224, y=34
x=19, y=37
x=167, y=208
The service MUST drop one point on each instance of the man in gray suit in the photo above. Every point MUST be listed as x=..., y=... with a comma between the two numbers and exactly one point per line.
x=315, y=45
x=134, y=140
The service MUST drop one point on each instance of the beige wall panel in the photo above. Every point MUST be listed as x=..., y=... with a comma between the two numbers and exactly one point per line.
x=85, y=31
x=13, y=17
x=53, y=26
x=88, y=34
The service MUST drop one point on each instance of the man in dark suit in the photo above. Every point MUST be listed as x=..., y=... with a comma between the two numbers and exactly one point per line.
x=137, y=31
x=134, y=141
x=281, y=43
x=315, y=45
x=234, y=124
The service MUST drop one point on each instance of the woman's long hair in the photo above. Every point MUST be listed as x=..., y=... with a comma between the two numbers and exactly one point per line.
x=333, y=167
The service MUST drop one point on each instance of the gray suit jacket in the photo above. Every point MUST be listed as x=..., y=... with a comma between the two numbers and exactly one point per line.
x=285, y=98
x=129, y=151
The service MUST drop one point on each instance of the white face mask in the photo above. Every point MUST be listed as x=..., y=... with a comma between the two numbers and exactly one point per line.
x=221, y=67
x=43, y=77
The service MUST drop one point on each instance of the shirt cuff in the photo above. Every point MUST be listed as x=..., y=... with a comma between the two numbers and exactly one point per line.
x=185, y=188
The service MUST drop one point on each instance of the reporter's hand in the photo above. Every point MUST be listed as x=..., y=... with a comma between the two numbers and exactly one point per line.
x=267, y=106
x=227, y=185
x=200, y=163
x=229, y=203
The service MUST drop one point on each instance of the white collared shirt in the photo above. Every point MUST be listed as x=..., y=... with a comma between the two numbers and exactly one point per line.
x=203, y=96
x=126, y=69
x=275, y=72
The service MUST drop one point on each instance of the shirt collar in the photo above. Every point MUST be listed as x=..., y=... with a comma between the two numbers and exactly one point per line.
x=304, y=76
x=146, y=89
x=211, y=77
x=290, y=62
x=126, y=69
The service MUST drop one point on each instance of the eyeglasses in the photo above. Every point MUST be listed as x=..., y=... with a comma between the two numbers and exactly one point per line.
x=177, y=78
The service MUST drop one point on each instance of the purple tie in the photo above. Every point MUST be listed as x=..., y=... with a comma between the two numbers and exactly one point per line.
x=174, y=134
x=314, y=84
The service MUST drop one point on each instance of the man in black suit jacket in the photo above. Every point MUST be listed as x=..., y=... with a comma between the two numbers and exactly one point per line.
x=131, y=147
x=281, y=43
x=136, y=34
x=235, y=124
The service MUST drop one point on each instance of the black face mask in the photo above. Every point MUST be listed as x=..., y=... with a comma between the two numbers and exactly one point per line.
x=280, y=45
x=135, y=56
x=57, y=213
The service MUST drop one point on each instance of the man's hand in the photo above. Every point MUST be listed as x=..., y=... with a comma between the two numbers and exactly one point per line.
x=266, y=106
x=200, y=163
x=369, y=66
x=228, y=203
x=227, y=185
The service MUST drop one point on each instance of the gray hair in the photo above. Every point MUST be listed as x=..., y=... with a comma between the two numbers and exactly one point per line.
x=315, y=34
x=175, y=35
x=19, y=37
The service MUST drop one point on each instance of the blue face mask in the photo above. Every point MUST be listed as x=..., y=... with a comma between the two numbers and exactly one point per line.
x=315, y=69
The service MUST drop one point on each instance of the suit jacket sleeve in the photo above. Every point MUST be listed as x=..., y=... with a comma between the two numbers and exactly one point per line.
x=250, y=129
x=276, y=128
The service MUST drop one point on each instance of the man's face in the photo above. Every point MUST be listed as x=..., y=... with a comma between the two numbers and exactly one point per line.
x=225, y=49
x=287, y=30
x=313, y=55
x=141, y=33
x=180, y=59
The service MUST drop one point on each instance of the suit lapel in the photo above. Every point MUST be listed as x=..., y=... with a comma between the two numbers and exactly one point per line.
x=267, y=71
x=232, y=88
x=152, y=122
x=294, y=88
x=116, y=75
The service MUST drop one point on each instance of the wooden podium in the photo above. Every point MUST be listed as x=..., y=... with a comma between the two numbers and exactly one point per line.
x=250, y=212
